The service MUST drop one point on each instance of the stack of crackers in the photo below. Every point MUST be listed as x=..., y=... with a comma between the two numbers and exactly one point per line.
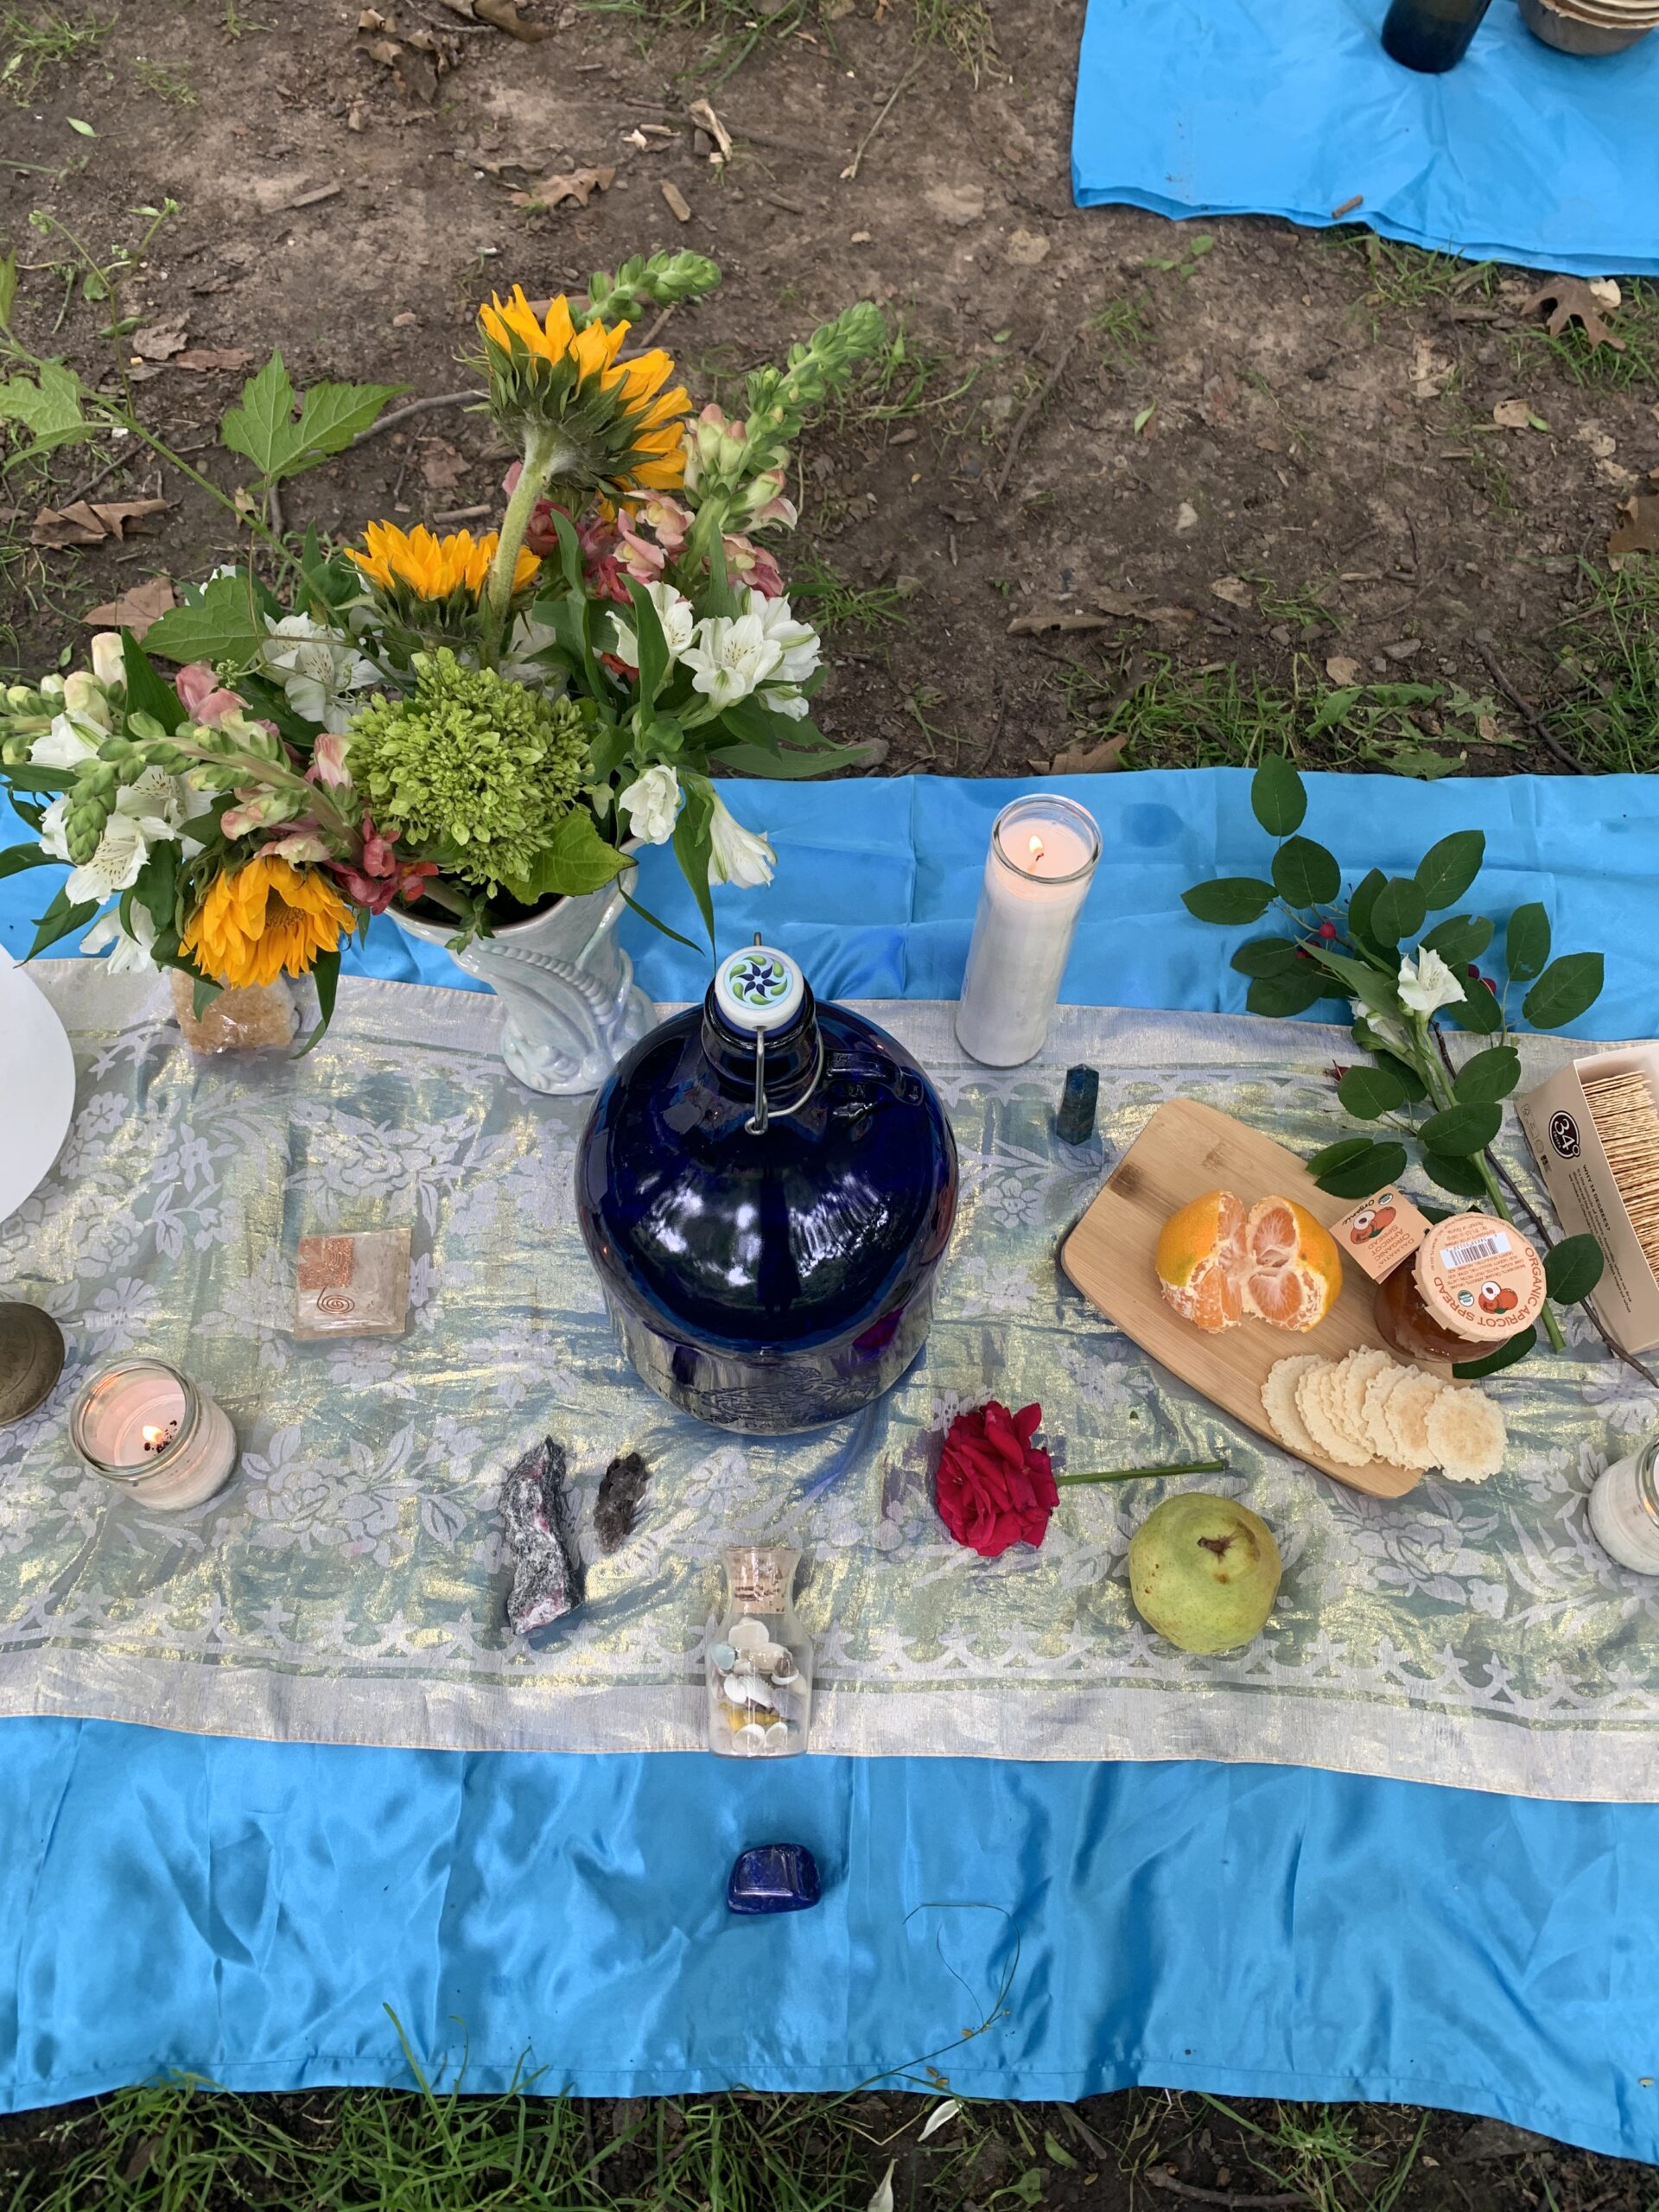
x=1368, y=1406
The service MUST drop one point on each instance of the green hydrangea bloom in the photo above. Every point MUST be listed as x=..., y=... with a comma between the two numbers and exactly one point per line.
x=470, y=770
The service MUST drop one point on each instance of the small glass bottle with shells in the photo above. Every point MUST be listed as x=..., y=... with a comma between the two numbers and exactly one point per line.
x=760, y=1662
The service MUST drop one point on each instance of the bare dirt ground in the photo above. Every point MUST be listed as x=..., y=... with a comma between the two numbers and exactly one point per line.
x=1262, y=463
x=1155, y=493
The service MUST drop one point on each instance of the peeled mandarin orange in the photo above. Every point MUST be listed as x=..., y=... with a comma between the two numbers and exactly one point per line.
x=1292, y=1270
x=1201, y=1258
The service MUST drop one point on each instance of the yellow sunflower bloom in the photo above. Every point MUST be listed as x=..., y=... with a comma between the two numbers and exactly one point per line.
x=416, y=565
x=265, y=918
x=603, y=424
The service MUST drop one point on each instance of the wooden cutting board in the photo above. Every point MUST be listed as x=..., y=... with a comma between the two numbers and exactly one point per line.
x=1185, y=1150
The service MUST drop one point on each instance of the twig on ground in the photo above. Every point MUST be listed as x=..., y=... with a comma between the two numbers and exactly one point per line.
x=1158, y=2178
x=414, y=407
x=453, y=515
x=1029, y=412
x=92, y=482
x=1534, y=719
x=891, y=101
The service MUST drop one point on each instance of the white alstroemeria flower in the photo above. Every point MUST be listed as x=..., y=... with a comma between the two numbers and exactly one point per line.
x=673, y=612
x=53, y=840
x=729, y=657
x=1382, y=1026
x=84, y=697
x=802, y=651
x=1428, y=983
x=65, y=745
x=108, y=661
x=316, y=668
x=651, y=801
x=736, y=855
x=305, y=848
x=122, y=851
x=130, y=953
x=164, y=806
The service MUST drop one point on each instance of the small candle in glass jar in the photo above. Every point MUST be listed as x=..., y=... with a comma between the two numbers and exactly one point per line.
x=148, y=1430
x=1624, y=1509
x=1037, y=875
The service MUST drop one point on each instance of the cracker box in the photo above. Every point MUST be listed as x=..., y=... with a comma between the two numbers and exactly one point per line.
x=1571, y=1158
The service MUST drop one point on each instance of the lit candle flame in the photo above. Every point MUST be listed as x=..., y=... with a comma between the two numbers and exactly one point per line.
x=153, y=1437
x=1036, y=850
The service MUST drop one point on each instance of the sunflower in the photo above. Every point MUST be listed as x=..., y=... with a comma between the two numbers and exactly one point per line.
x=445, y=573
x=265, y=917
x=615, y=426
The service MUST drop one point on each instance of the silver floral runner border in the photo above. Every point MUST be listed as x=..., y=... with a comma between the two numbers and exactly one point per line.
x=346, y=1587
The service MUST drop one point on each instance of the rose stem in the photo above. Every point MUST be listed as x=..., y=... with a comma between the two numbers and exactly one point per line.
x=1137, y=1474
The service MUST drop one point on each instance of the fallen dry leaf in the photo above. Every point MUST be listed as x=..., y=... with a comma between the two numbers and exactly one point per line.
x=701, y=111
x=505, y=16
x=204, y=360
x=1601, y=443
x=1342, y=670
x=159, y=341
x=1569, y=299
x=1056, y=618
x=442, y=465
x=1638, y=528
x=1234, y=590
x=1090, y=759
x=1512, y=414
x=135, y=609
x=1430, y=372
x=82, y=522
x=579, y=185
x=677, y=204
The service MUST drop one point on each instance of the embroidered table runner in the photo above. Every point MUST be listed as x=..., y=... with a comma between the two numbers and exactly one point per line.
x=348, y=1586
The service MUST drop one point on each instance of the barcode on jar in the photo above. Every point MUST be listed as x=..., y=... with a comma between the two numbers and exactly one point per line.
x=1480, y=1249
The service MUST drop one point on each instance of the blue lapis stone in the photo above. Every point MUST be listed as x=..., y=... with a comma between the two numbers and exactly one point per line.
x=774, y=1877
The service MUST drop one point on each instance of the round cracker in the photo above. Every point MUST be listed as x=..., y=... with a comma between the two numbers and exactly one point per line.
x=1467, y=1435
x=1348, y=1388
x=1279, y=1403
x=1312, y=1392
x=1406, y=1411
x=1378, y=1391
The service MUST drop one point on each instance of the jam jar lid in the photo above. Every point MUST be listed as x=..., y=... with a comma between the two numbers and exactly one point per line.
x=759, y=989
x=1479, y=1277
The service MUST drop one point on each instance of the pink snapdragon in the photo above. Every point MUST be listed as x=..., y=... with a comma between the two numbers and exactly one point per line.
x=203, y=697
x=382, y=876
x=329, y=761
x=751, y=566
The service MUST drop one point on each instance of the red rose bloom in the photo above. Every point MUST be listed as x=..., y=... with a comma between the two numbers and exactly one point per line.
x=994, y=1489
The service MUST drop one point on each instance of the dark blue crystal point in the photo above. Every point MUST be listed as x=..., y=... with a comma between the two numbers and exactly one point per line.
x=774, y=1877
x=766, y=1187
x=1074, y=1123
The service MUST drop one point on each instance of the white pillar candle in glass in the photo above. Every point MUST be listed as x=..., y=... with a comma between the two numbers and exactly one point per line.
x=1036, y=877
x=1624, y=1508
x=148, y=1430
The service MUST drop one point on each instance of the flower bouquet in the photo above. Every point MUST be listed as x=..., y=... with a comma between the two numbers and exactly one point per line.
x=468, y=730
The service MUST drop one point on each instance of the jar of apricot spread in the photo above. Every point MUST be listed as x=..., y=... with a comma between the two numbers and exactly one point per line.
x=1472, y=1284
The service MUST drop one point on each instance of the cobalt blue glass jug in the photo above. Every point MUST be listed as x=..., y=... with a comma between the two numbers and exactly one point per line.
x=766, y=1187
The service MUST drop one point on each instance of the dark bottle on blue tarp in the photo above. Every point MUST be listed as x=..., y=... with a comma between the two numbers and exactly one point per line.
x=1432, y=36
x=766, y=1186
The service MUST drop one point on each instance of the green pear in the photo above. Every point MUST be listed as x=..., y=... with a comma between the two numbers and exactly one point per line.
x=1204, y=1572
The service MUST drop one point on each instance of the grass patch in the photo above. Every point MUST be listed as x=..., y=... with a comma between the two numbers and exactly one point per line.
x=1607, y=714
x=1411, y=276
x=33, y=45
x=1636, y=321
x=837, y=603
x=163, y=84
x=962, y=27
x=1120, y=330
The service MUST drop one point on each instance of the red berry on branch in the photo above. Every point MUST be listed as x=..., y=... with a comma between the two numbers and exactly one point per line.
x=1327, y=930
x=1489, y=984
x=1474, y=971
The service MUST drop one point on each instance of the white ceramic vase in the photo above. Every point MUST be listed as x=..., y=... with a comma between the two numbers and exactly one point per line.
x=573, y=1008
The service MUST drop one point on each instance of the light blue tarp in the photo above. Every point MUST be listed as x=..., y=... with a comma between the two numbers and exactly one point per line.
x=245, y=1910
x=1291, y=107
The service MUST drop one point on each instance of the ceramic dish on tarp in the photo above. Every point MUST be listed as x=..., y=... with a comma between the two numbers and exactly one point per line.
x=37, y=1085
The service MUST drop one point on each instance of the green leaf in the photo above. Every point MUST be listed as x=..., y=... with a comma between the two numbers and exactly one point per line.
x=1339, y=1154
x=1278, y=797
x=1460, y=1130
x=332, y=415
x=261, y=426
x=1477, y=1010
x=789, y=766
x=16, y=858
x=1493, y=1363
x=156, y=889
x=1447, y=869
x=1564, y=991
x=59, y=919
x=1460, y=938
x=1369, y=1093
x=24, y=778
x=1360, y=905
x=1364, y=1172
x=325, y=974
x=47, y=406
x=1460, y=1177
x=85, y=130
x=1055, y=2151
x=1229, y=899
x=147, y=692
x=1282, y=996
x=654, y=646
x=1267, y=956
x=1305, y=875
x=657, y=922
x=204, y=990
x=1399, y=911
x=8, y=288
x=574, y=861
x=1488, y=1076
x=692, y=845
x=1526, y=945
x=1572, y=1268
x=1402, y=1071
x=223, y=623
x=1379, y=993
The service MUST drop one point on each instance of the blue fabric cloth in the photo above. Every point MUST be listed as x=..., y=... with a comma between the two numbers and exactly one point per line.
x=247, y=1911
x=1229, y=107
